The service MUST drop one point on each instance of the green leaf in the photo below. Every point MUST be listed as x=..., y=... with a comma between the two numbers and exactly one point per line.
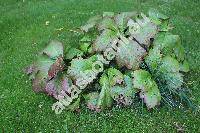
x=105, y=40
x=157, y=16
x=165, y=26
x=170, y=45
x=114, y=76
x=149, y=90
x=124, y=94
x=108, y=14
x=91, y=23
x=129, y=54
x=86, y=39
x=84, y=47
x=54, y=49
x=107, y=23
x=75, y=105
x=154, y=58
x=169, y=72
x=169, y=64
x=184, y=67
x=122, y=18
x=105, y=100
x=80, y=67
x=72, y=53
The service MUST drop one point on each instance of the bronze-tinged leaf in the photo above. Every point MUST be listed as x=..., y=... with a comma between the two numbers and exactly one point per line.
x=58, y=66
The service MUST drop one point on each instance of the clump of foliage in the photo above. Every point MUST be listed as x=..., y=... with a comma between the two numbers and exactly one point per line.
x=149, y=63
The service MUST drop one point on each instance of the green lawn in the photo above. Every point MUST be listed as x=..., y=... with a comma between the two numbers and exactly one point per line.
x=23, y=34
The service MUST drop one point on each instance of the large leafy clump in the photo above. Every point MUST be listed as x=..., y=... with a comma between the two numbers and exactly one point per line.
x=121, y=56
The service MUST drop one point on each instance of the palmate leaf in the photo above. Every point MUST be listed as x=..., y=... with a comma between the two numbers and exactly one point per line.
x=72, y=53
x=54, y=49
x=163, y=60
x=114, y=76
x=166, y=59
x=142, y=30
x=105, y=40
x=156, y=16
x=160, y=19
x=170, y=45
x=121, y=19
x=149, y=90
x=81, y=70
x=169, y=71
x=129, y=54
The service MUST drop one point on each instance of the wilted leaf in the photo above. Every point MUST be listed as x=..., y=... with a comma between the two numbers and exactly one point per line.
x=58, y=66
x=58, y=84
x=48, y=63
x=42, y=65
x=124, y=94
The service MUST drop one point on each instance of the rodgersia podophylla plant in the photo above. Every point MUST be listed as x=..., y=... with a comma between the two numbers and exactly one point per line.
x=122, y=56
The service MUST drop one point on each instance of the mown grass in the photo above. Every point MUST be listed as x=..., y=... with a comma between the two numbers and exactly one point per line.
x=23, y=34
